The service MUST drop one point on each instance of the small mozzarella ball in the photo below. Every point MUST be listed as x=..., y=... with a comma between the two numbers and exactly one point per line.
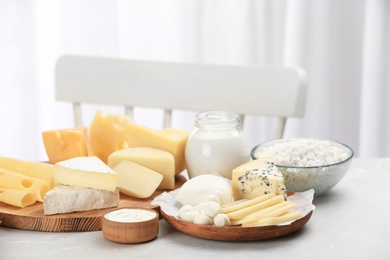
x=203, y=220
x=214, y=198
x=221, y=220
x=189, y=215
x=184, y=209
x=211, y=209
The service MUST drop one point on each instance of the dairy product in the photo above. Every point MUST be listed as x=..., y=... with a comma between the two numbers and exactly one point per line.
x=204, y=188
x=85, y=172
x=135, y=180
x=216, y=145
x=110, y=133
x=154, y=159
x=64, y=144
x=303, y=152
x=255, y=178
x=18, y=181
x=18, y=198
x=128, y=215
x=37, y=170
x=65, y=199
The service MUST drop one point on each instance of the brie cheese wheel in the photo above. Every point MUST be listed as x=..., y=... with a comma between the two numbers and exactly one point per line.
x=204, y=188
x=65, y=199
x=85, y=172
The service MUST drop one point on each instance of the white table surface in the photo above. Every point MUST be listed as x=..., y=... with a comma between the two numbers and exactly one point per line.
x=352, y=221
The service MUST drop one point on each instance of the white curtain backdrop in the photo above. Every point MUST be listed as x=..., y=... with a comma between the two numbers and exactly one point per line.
x=344, y=46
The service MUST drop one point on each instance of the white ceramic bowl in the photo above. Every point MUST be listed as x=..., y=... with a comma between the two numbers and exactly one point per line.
x=322, y=176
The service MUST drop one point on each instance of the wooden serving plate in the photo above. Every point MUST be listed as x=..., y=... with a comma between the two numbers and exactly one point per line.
x=235, y=233
x=32, y=217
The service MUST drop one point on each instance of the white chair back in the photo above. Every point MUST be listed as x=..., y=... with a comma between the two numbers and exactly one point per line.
x=247, y=90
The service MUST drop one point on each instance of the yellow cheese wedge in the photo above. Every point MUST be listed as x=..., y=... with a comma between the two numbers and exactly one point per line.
x=85, y=172
x=18, y=198
x=110, y=133
x=18, y=181
x=64, y=144
x=135, y=180
x=155, y=159
x=37, y=170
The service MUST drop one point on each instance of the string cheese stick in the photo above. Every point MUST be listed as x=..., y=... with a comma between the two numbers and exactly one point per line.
x=38, y=170
x=290, y=216
x=281, y=209
x=241, y=213
x=247, y=203
x=18, y=198
x=17, y=181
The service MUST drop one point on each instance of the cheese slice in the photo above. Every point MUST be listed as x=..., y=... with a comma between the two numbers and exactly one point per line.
x=256, y=178
x=37, y=170
x=64, y=144
x=155, y=159
x=18, y=198
x=135, y=180
x=18, y=181
x=85, y=172
x=65, y=199
x=110, y=133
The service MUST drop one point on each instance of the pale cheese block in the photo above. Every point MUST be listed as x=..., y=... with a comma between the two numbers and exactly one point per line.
x=256, y=178
x=155, y=159
x=136, y=180
x=65, y=144
x=37, y=170
x=66, y=199
x=18, y=181
x=85, y=172
x=18, y=198
x=109, y=133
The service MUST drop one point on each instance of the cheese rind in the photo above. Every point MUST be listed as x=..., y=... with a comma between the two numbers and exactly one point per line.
x=64, y=144
x=37, y=170
x=85, y=172
x=135, y=180
x=256, y=178
x=110, y=133
x=155, y=159
x=66, y=199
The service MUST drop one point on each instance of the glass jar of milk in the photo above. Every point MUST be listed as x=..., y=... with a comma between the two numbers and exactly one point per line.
x=216, y=145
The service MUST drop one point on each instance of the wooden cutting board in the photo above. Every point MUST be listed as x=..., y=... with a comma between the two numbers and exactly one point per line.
x=32, y=217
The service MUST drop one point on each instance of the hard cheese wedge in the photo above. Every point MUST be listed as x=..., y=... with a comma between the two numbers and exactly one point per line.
x=155, y=159
x=18, y=181
x=65, y=199
x=110, y=133
x=65, y=144
x=135, y=180
x=256, y=178
x=85, y=172
x=37, y=170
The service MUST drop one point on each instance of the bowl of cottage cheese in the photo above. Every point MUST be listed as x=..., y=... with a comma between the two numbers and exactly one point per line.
x=307, y=163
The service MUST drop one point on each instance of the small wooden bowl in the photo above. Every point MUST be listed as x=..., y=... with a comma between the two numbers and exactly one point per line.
x=130, y=232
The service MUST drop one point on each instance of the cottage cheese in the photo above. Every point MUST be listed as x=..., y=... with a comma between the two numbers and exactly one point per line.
x=303, y=153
